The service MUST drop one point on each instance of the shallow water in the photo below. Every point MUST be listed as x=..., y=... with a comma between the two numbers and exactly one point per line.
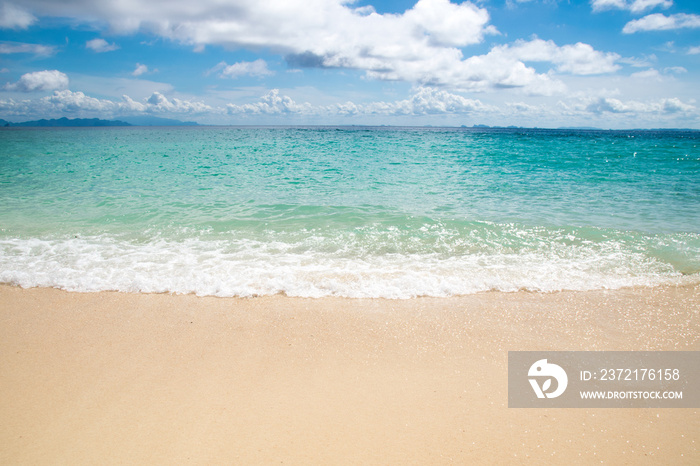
x=359, y=212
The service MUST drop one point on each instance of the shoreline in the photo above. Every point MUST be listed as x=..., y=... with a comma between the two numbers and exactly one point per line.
x=112, y=377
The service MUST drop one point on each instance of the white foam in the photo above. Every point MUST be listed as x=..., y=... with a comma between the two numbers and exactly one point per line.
x=245, y=267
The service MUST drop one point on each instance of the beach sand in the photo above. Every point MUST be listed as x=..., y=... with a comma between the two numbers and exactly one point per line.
x=105, y=378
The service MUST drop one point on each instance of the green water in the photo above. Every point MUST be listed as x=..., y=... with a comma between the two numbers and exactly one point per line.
x=393, y=212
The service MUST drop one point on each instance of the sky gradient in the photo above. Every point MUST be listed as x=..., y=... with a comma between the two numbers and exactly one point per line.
x=604, y=63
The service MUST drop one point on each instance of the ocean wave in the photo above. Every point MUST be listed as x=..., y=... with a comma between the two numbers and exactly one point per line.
x=369, y=262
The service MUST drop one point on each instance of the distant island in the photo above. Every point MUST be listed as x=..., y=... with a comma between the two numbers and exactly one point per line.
x=574, y=128
x=96, y=122
x=65, y=122
x=148, y=120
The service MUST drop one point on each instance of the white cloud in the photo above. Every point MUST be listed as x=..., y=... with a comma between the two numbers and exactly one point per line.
x=100, y=45
x=20, y=47
x=39, y=81
x=504, y=67
x=477, y=73
x=68, y=101
x=675, y=105
x=665, y=75
x=675, y=69
x=114, y=87
x=643, y=62
x=660, y=22
x=636, y=6
x=448, y=24
x=325, y=33
x=663, y=106
x=602, y=5
x=140, y=69
x=60, y=102
x=14, y=17
x=580, y=58
x=250, y=22
x=694, y=50
x=423, y=46
x=77, y=103
x=424, y=104
x=425, y=101
x=650, y=75
x=522, y=107
x=257, y=68
x=130, y=106
x=158, y=103
x=270, y=104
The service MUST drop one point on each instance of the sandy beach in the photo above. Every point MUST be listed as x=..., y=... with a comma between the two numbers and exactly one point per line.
x=107, y=378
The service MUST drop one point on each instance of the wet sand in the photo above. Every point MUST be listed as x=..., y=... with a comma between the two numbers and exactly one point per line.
x=105, y=378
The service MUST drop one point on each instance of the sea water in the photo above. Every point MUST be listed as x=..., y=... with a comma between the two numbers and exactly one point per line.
x=347, y=211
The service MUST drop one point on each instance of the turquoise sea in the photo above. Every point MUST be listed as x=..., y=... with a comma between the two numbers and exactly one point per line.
x=347, y=211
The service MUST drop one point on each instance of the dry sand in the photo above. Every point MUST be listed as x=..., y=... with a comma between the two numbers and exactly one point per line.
x=106, y=378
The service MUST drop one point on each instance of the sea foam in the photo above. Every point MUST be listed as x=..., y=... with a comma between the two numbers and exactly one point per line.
x=316, y=266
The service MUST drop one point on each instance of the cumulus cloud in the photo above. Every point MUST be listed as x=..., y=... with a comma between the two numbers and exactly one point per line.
x=675, y=105
x=317, y=23
x=158, y=103
x=100, y=45
x=272, y=103
x=423, y=45
x=71, y=102
x=663, y=106
x=329, y=33
x=660, y=22
x=477, y=73
x=46, y=80
x=14, y=17
x=78, y=103
x=423, y=101
x=20, y=47
x=257, y=68
x=60, y=102
x=140, y=69
x=579, y=59
x=505, y=67
x=448, y=24
x=636, y=6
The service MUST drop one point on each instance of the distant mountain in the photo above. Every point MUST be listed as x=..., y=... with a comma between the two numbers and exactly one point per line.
x=146, y=120
x=85, y=122
x=65, y=122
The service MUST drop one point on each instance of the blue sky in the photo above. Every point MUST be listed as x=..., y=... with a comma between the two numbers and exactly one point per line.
x=602, y=63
